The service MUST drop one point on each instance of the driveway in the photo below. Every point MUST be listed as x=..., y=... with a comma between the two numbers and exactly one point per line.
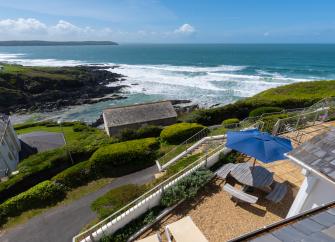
x=60, y=224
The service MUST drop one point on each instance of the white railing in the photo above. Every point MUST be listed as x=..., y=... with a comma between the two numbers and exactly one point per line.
x=183, y=146
x=148, y=200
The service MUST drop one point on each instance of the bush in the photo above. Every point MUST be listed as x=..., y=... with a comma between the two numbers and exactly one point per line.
x=230, y=121
x=262, y=110
x=116, y=199
x=75, y=176
x=131, y=228
x=271, y=120
x=187, y=187
x=42, y=123
x=177, y=133
x=133, y=155
x=80, y=127
x=39, y=196
x=144, y=132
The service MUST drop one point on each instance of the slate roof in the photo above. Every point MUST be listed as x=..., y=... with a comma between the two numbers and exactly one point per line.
x=318, y=153
x=139, y=113
x=43, y=141
x=316, y=225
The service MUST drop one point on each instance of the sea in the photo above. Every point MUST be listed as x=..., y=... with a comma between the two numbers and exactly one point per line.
x=206, y=74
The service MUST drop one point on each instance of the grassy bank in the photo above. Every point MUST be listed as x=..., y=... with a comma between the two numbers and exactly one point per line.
x=291, y=96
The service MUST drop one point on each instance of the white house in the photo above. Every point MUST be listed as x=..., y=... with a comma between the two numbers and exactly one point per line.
x=9, y=147
x=317, y=158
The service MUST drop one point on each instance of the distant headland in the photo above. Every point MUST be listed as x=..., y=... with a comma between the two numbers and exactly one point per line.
x=53, y=43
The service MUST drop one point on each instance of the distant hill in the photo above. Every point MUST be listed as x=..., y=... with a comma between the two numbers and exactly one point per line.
x=53, y=43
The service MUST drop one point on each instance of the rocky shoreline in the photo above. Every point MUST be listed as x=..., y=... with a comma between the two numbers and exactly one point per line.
x=51, y=89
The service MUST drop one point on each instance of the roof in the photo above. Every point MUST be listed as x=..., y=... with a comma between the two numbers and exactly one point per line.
x=318, y=154
x=139, y=113
x=315, y=225
x=42, y=140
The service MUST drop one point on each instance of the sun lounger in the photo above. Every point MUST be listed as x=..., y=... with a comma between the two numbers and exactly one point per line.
x=152, y=238
x=224, y=171
x=184, y=230
x=240, y=195
x=278, y=192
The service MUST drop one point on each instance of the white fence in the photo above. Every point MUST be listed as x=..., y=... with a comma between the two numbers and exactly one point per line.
x=148, y=200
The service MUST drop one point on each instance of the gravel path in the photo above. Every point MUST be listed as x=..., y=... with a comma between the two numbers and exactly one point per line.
x=60, y=224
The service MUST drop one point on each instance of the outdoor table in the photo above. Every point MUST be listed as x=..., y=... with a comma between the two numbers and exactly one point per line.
x=257, y=176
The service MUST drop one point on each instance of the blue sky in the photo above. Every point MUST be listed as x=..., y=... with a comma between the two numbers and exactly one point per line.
x=170, y=21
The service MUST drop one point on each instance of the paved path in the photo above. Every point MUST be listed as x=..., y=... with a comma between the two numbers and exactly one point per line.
x=60, y=224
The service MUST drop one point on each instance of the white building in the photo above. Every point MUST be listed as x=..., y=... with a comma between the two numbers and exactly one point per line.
x=317, y=158
x=9, y=147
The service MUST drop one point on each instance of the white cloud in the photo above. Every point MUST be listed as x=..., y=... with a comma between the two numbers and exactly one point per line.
x=30, y=28
x=185, y=29
x=21, y=25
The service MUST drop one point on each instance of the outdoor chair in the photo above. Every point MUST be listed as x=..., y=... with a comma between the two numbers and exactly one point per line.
x=184, y=230
x=278, y=192
x=152, y=238
x=240, y=195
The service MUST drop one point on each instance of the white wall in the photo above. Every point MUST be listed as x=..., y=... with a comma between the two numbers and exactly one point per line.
x=315, y=191
x=321, y=193
x=9, y=148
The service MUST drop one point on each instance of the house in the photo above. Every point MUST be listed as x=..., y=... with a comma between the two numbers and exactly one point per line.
x=317, y=158
x=135, y=116
x=9, y=147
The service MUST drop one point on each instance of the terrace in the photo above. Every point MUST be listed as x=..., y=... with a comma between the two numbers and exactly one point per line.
x=217, y=216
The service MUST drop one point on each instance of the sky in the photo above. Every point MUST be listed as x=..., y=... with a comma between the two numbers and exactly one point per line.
x=170, y=21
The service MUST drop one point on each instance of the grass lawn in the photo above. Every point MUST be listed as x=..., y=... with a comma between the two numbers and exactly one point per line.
x=71, y=196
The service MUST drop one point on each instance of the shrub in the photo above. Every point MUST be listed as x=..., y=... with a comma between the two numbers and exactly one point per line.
x=112, y=160
x=116, y=199
x=177, y=133
x=187, y=187
x=230, y=121
x=39, y=196
x=144, y=132
x=149, y=131
x=132, y=155
x=262, y=110
x=271, y=120
x=80, y=127
x=131, y=228
x=75, y=176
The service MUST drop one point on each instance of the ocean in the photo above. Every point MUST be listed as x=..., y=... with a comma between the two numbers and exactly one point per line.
x=207, y=74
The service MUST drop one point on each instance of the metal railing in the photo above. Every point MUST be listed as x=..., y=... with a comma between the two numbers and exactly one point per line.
x=318, y=113
x=183, y=146
x=104, y=227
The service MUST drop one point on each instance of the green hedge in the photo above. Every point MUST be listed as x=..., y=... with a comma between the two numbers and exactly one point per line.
x=230, y=121
x=111, y=160
x=116, y=199
x=42, y=123
x=177, y=133
x=76, y=175
x=135, y=154
x=262, y=110
x=185, y=188
x=45, y=165
x=144, y=132
x=39, y=196
x=270, y=120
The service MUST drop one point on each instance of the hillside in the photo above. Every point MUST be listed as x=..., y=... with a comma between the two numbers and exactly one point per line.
x=295, y=95
x=53, y=43
x=48, y=88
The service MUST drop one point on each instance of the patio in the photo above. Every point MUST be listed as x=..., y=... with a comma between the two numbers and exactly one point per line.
x=219, y=219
